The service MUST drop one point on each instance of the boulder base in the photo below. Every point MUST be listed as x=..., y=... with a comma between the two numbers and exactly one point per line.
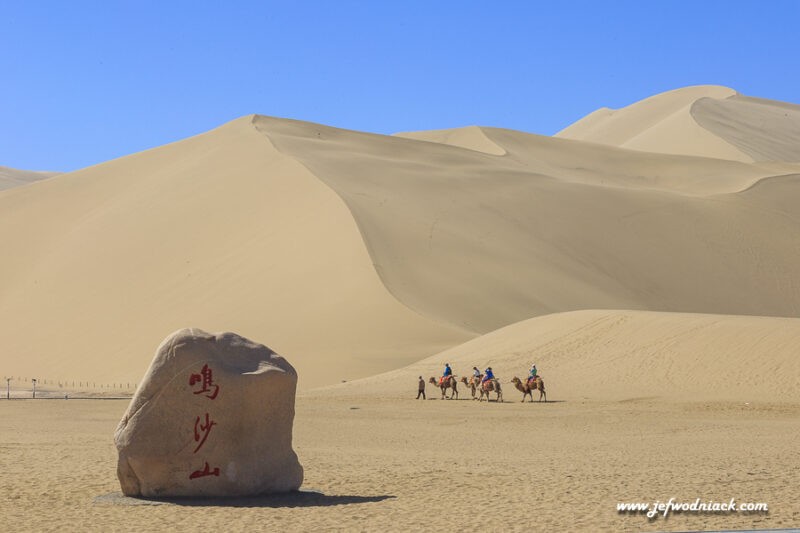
x=213, y=417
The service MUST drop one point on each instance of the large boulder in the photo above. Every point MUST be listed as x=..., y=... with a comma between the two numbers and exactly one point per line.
x=212, y=417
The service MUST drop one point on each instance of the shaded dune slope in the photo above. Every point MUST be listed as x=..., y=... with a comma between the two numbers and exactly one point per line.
x=765, y=130
x=481, y=241
x=13, y=177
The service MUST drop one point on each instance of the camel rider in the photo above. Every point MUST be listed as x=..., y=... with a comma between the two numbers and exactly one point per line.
x=487, y=375
x=447, y=373
x=476, y=373
x=532, y=374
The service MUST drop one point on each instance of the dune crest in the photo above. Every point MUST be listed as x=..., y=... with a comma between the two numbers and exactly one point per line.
x=470, y=137
x=662, y=123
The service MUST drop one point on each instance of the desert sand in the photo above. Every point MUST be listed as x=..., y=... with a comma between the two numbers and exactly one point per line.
x=646, y=259
x=398, y=463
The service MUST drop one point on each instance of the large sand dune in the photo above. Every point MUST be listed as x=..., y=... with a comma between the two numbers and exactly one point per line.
x=220, y=232
x=352, y=253
x=705, y=120
x=481, y=241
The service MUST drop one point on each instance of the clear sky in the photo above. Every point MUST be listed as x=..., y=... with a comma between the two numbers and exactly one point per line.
x=83, y=82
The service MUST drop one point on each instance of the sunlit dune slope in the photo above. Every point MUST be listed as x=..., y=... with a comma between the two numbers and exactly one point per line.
x=220, y=232
x=622, y=355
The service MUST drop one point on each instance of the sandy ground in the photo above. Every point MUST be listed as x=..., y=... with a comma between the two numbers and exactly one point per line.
x=415, y=465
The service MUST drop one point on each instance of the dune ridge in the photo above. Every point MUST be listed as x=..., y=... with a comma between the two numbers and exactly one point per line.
x=662, y=123
x=469, y=137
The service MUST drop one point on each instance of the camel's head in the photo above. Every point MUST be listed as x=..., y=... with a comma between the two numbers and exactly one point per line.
x=432, y=380
x=464, y=379
x=515, y=380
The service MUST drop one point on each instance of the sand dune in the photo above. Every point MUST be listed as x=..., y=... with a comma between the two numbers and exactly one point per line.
x=353, y=253
x=704, y=120
x=481, y=241
x=12, y=177
x=624, y=355
x=219, y=231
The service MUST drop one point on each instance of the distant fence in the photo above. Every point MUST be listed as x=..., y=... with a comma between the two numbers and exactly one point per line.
x=46, y=386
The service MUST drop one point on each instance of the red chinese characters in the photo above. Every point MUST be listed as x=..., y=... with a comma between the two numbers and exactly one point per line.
x=206, y=471
x=206, y=380
x=205, y=428
x=203, y=383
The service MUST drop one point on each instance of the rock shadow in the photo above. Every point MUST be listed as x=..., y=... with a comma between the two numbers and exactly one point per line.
x=301, y=498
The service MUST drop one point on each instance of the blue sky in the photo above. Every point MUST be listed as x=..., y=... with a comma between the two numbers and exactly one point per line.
x=84, y=82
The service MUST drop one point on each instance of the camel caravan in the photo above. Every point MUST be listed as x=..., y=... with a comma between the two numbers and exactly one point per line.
x=483, y=384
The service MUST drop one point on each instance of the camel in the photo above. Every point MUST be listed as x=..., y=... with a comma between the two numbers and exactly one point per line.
x=489, y=386
x=450, y=381
x=473, y=384
x=527, y=389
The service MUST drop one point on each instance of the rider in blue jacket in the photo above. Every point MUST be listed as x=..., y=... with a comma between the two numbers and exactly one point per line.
x=533, y=372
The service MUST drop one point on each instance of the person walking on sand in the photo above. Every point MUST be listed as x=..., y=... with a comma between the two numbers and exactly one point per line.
x=421, y=389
